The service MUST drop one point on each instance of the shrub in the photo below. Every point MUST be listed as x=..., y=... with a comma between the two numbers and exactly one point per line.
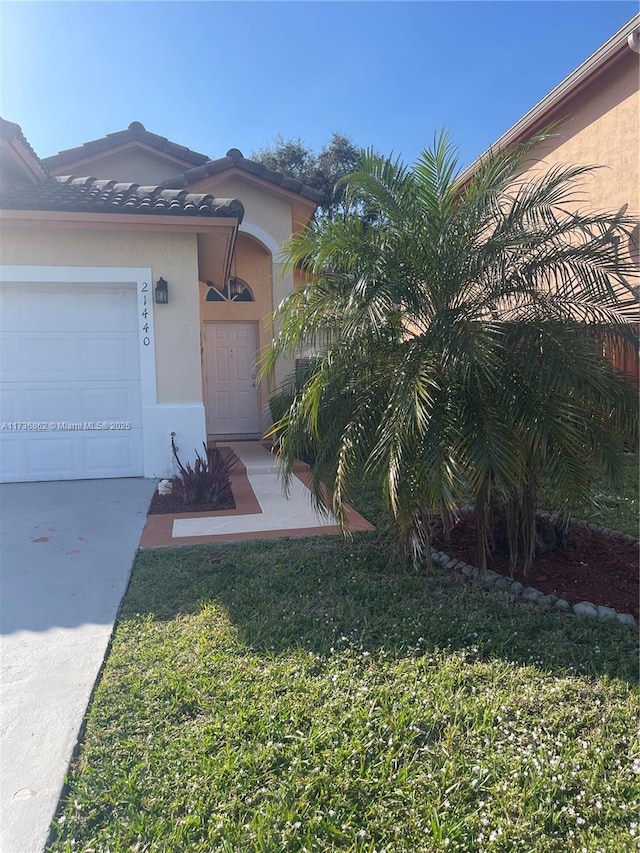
x=208, y=481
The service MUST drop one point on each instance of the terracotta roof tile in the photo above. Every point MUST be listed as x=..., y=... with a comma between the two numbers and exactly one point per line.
x=202, y=165
x=82, y=194
x=135, y=131
x=9, y=130
x=236, y=159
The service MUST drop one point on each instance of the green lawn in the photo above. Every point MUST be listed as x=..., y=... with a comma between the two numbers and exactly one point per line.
x=311, y=694
x=617, y=508
x=305, y=694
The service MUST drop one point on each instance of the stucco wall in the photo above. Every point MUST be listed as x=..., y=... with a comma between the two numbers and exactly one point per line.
x=600, y=127
x=172, y=256
x=263, y=208
x=141, y=167
x=265, y=211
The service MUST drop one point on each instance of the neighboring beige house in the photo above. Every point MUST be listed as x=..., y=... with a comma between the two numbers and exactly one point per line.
x=96, y=373
x=597, y=108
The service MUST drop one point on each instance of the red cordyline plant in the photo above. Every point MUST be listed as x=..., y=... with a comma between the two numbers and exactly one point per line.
x=208, y=481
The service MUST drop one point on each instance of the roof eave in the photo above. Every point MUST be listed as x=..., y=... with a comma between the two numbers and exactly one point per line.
x=234, y=164
x=22, y=158
x=90, y=220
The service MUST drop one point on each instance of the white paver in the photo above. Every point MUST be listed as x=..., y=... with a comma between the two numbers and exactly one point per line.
x=279, y=512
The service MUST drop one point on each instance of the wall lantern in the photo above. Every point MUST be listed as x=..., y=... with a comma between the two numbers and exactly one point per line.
x=162, y=292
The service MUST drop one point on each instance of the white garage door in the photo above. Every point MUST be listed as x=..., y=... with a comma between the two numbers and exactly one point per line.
x=69, y=382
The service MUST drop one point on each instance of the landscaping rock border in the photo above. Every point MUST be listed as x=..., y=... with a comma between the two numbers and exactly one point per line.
x=584, y=609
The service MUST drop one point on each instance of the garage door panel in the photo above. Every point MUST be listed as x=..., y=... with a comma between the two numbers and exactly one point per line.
x=49, y=457
x=44, y=357
x=10, y=404
x=31, y=357
x=44, y=403
x=54, y=402
x=9, y=458
x=71, y=455
x=102, y=451
x=70, y=366
x=28, y=356
x=113, y=403
x=40, y=308
x=108, y=357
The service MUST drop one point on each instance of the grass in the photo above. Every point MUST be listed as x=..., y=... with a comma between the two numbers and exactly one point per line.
x=617, y=508
x=310, y=695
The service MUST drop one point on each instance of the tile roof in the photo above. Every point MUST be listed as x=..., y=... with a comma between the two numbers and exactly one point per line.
x=236, y=159
x=82, y=195
x=202, y=166
x=9, y=130
x=135, y=132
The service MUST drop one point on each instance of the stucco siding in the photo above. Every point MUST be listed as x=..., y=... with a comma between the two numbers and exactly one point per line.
x=141, y=167
x=600, y=127
x=263, y=208
x=274, y=215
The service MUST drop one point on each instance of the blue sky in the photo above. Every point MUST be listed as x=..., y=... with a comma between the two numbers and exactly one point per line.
x=217, y=75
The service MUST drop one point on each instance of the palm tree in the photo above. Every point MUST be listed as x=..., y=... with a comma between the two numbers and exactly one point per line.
x=458, y=330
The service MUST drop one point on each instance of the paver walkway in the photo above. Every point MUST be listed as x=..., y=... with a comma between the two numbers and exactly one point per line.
x=262, y=509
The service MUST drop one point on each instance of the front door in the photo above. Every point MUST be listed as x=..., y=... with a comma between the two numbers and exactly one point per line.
x=232, y=395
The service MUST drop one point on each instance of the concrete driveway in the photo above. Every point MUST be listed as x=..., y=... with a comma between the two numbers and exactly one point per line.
x=65, y=559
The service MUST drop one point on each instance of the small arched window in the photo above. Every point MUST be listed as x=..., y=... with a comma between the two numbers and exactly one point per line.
x=235, y=290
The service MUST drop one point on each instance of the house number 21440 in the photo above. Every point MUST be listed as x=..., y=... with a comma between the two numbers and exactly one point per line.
x=146, y=340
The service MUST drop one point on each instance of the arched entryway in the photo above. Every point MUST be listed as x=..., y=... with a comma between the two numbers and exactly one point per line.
x=233, y=331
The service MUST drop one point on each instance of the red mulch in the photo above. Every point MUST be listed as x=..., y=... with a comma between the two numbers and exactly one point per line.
x=590, y=566
x=174, y=505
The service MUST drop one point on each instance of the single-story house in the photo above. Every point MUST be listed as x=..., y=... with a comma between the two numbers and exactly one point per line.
x=136, y=282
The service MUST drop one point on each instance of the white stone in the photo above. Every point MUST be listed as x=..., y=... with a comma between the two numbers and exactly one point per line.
x=165, y=487
x=626, y=619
